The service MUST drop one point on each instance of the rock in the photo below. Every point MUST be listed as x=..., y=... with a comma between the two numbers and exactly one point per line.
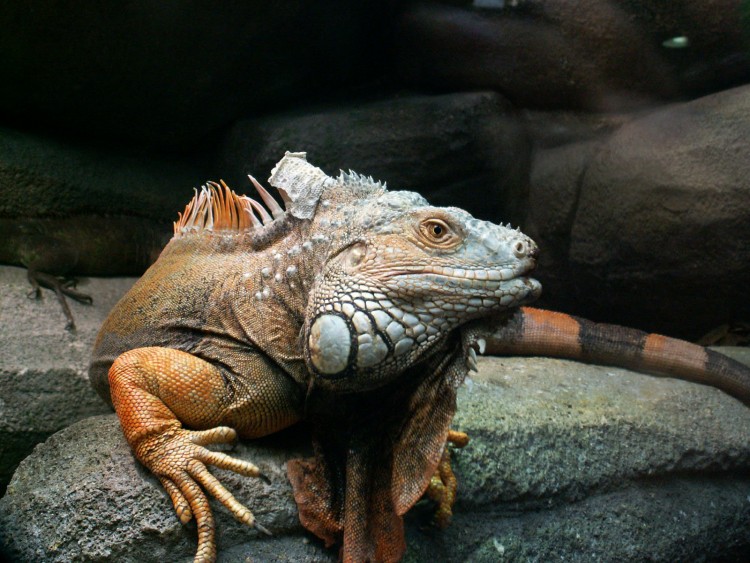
x=593, y=55
x=552, y=129
x=556, y=178
x=103, y=505
x=564, y=145
x=467, y=150
x=680, y=519
x=44, y=177
x=166, y=76
x=641, y=219
x=568, y=429
x=567, y=461
x=44, y=368
x=576, y=462
x=661, y=228
x=703, y=44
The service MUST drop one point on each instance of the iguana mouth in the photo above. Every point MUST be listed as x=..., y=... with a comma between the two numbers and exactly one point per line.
x=477, y=293
x=471, y=275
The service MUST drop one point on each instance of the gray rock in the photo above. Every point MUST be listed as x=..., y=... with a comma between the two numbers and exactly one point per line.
x=102, y=505
x=595, y=55
x=642, y=219
x=568, y=429
x=551, y=129
x=556, y=176
x=581, y=463
x=468, y=150
x=43, y=368
x=665, y=520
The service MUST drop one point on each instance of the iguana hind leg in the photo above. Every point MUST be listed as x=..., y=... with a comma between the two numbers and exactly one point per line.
x=443, y=485
x=154, y=391
x=61, y=288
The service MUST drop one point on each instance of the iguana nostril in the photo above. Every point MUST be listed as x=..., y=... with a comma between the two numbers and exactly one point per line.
x=520, y=249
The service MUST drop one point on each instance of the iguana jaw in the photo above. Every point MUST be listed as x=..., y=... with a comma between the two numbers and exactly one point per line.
x=380, y=321
x=471, y=291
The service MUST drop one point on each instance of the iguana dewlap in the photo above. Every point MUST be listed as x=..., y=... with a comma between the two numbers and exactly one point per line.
x=355, y=309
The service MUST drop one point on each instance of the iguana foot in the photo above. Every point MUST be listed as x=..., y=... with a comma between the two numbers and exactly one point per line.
x=61, y=287
x=179, y=459
x=442, y=487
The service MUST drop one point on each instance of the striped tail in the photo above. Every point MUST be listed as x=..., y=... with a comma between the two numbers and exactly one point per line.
x=536, y=332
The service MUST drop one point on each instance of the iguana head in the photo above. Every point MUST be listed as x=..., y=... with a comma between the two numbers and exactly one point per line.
x=398, y=277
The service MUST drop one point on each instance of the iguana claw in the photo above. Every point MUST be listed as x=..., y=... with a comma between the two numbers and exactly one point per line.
x=179, y=461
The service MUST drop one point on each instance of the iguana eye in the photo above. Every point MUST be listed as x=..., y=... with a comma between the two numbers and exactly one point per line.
x=437, y=232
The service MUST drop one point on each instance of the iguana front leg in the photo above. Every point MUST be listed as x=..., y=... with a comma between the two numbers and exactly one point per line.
x=157, y=390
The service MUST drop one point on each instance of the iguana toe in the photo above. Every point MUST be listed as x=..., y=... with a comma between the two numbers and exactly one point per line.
x=181, y=505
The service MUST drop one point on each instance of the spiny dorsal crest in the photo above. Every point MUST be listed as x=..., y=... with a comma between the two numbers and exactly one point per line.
x=218, y=208
x=359, y=182
x=300, y=184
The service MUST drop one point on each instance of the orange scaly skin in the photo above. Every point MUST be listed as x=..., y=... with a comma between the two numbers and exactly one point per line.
x=355, y=309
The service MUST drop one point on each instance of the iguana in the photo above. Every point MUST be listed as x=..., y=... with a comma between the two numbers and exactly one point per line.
x=355, y=309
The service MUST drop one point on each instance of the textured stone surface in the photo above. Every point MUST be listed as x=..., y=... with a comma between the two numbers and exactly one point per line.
x=556, y=176
x=644, y=221
x=586, y=463
x=663, y=213
x=167, y=75
x=41, y=176
x=567, y=428
x=467, y=150
x=594, y=54
x=551, y=129
x=666, y=520
x=568, y=461
x=100, y=504
x=43, y=368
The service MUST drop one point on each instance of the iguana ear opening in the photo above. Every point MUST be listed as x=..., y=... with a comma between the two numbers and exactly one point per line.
x=351, y=257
